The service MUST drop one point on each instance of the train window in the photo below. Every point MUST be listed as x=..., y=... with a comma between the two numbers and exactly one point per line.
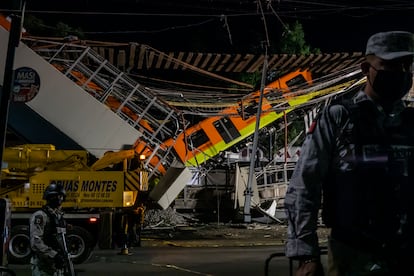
x=197, y=139
x=299, y=79
x=226, y=129
x=249, y=110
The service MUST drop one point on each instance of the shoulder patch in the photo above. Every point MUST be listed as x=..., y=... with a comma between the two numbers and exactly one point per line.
x=311, y=119
x=38, y=220
x=312, y=127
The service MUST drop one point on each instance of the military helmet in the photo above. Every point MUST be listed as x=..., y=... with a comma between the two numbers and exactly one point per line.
x=54, y=189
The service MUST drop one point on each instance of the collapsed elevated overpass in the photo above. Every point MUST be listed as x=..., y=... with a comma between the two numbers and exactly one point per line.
x=76, y=98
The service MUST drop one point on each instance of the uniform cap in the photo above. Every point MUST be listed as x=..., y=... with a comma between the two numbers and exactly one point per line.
x=391, y=45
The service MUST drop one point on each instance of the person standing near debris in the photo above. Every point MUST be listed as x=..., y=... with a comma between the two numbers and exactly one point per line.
x=357, y=163
x=48, y=258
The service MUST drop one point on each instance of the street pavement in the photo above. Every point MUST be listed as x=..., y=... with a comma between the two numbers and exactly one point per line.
x=191, y=251
x=182, y=261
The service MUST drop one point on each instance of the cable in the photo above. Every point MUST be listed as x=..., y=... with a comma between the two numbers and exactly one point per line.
x=154, y=31
x=259, y=2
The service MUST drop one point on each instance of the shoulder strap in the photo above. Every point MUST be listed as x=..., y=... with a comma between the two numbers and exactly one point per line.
x=353, y=110
x=53, y=218
x=349, y=104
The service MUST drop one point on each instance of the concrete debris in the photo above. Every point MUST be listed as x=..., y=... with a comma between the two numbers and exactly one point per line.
x=255, y=226
x=164, y=218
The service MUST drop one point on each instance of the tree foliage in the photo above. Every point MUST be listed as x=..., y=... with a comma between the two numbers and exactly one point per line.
x=36, y=26
x=63, y=29
x=293, y=41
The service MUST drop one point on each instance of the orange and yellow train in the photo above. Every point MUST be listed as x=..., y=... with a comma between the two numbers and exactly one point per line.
x=213, y=135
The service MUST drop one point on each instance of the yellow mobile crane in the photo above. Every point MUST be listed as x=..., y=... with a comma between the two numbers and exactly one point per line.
x=97, y=193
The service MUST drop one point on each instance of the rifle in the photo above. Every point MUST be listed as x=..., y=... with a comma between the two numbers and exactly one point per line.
x=68, y=269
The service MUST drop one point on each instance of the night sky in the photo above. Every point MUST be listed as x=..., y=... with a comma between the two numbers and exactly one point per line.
x=225, y=25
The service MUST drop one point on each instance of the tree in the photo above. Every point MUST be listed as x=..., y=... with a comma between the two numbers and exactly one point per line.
x=63, y=29
x=36, y=26
x=293, y=41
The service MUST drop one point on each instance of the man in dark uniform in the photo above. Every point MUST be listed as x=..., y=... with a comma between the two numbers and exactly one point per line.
x=358, y=165
x=48, y=257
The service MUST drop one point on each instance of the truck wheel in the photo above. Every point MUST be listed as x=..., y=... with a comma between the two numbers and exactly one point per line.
x=80, y=244
x=19, y=245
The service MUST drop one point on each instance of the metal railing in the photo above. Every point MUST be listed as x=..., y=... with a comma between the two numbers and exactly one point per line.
x=272, y=182
x=135, y=104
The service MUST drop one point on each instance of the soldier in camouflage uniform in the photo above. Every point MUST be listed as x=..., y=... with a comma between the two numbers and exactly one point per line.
x=47, y=259
x=357, y=164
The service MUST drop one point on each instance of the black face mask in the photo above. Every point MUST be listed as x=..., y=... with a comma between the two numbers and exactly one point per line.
x=392, y=85
x=55, y=202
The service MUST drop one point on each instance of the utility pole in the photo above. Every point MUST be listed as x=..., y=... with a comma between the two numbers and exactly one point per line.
x=5, y=92
x=248, y=193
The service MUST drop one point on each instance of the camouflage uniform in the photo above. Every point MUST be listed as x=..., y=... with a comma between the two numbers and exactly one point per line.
x=43, y=242
x=356, y=180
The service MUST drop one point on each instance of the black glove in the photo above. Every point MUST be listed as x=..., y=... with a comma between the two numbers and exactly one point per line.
x=59, y=261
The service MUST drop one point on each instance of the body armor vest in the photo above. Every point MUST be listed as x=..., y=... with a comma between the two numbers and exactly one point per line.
x=50, y=230
x=370, y=190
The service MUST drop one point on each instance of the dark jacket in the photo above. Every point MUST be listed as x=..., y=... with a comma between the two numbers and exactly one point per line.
x=343, y=160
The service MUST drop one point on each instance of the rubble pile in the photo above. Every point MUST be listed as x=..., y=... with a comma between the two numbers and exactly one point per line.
x=164, y=218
